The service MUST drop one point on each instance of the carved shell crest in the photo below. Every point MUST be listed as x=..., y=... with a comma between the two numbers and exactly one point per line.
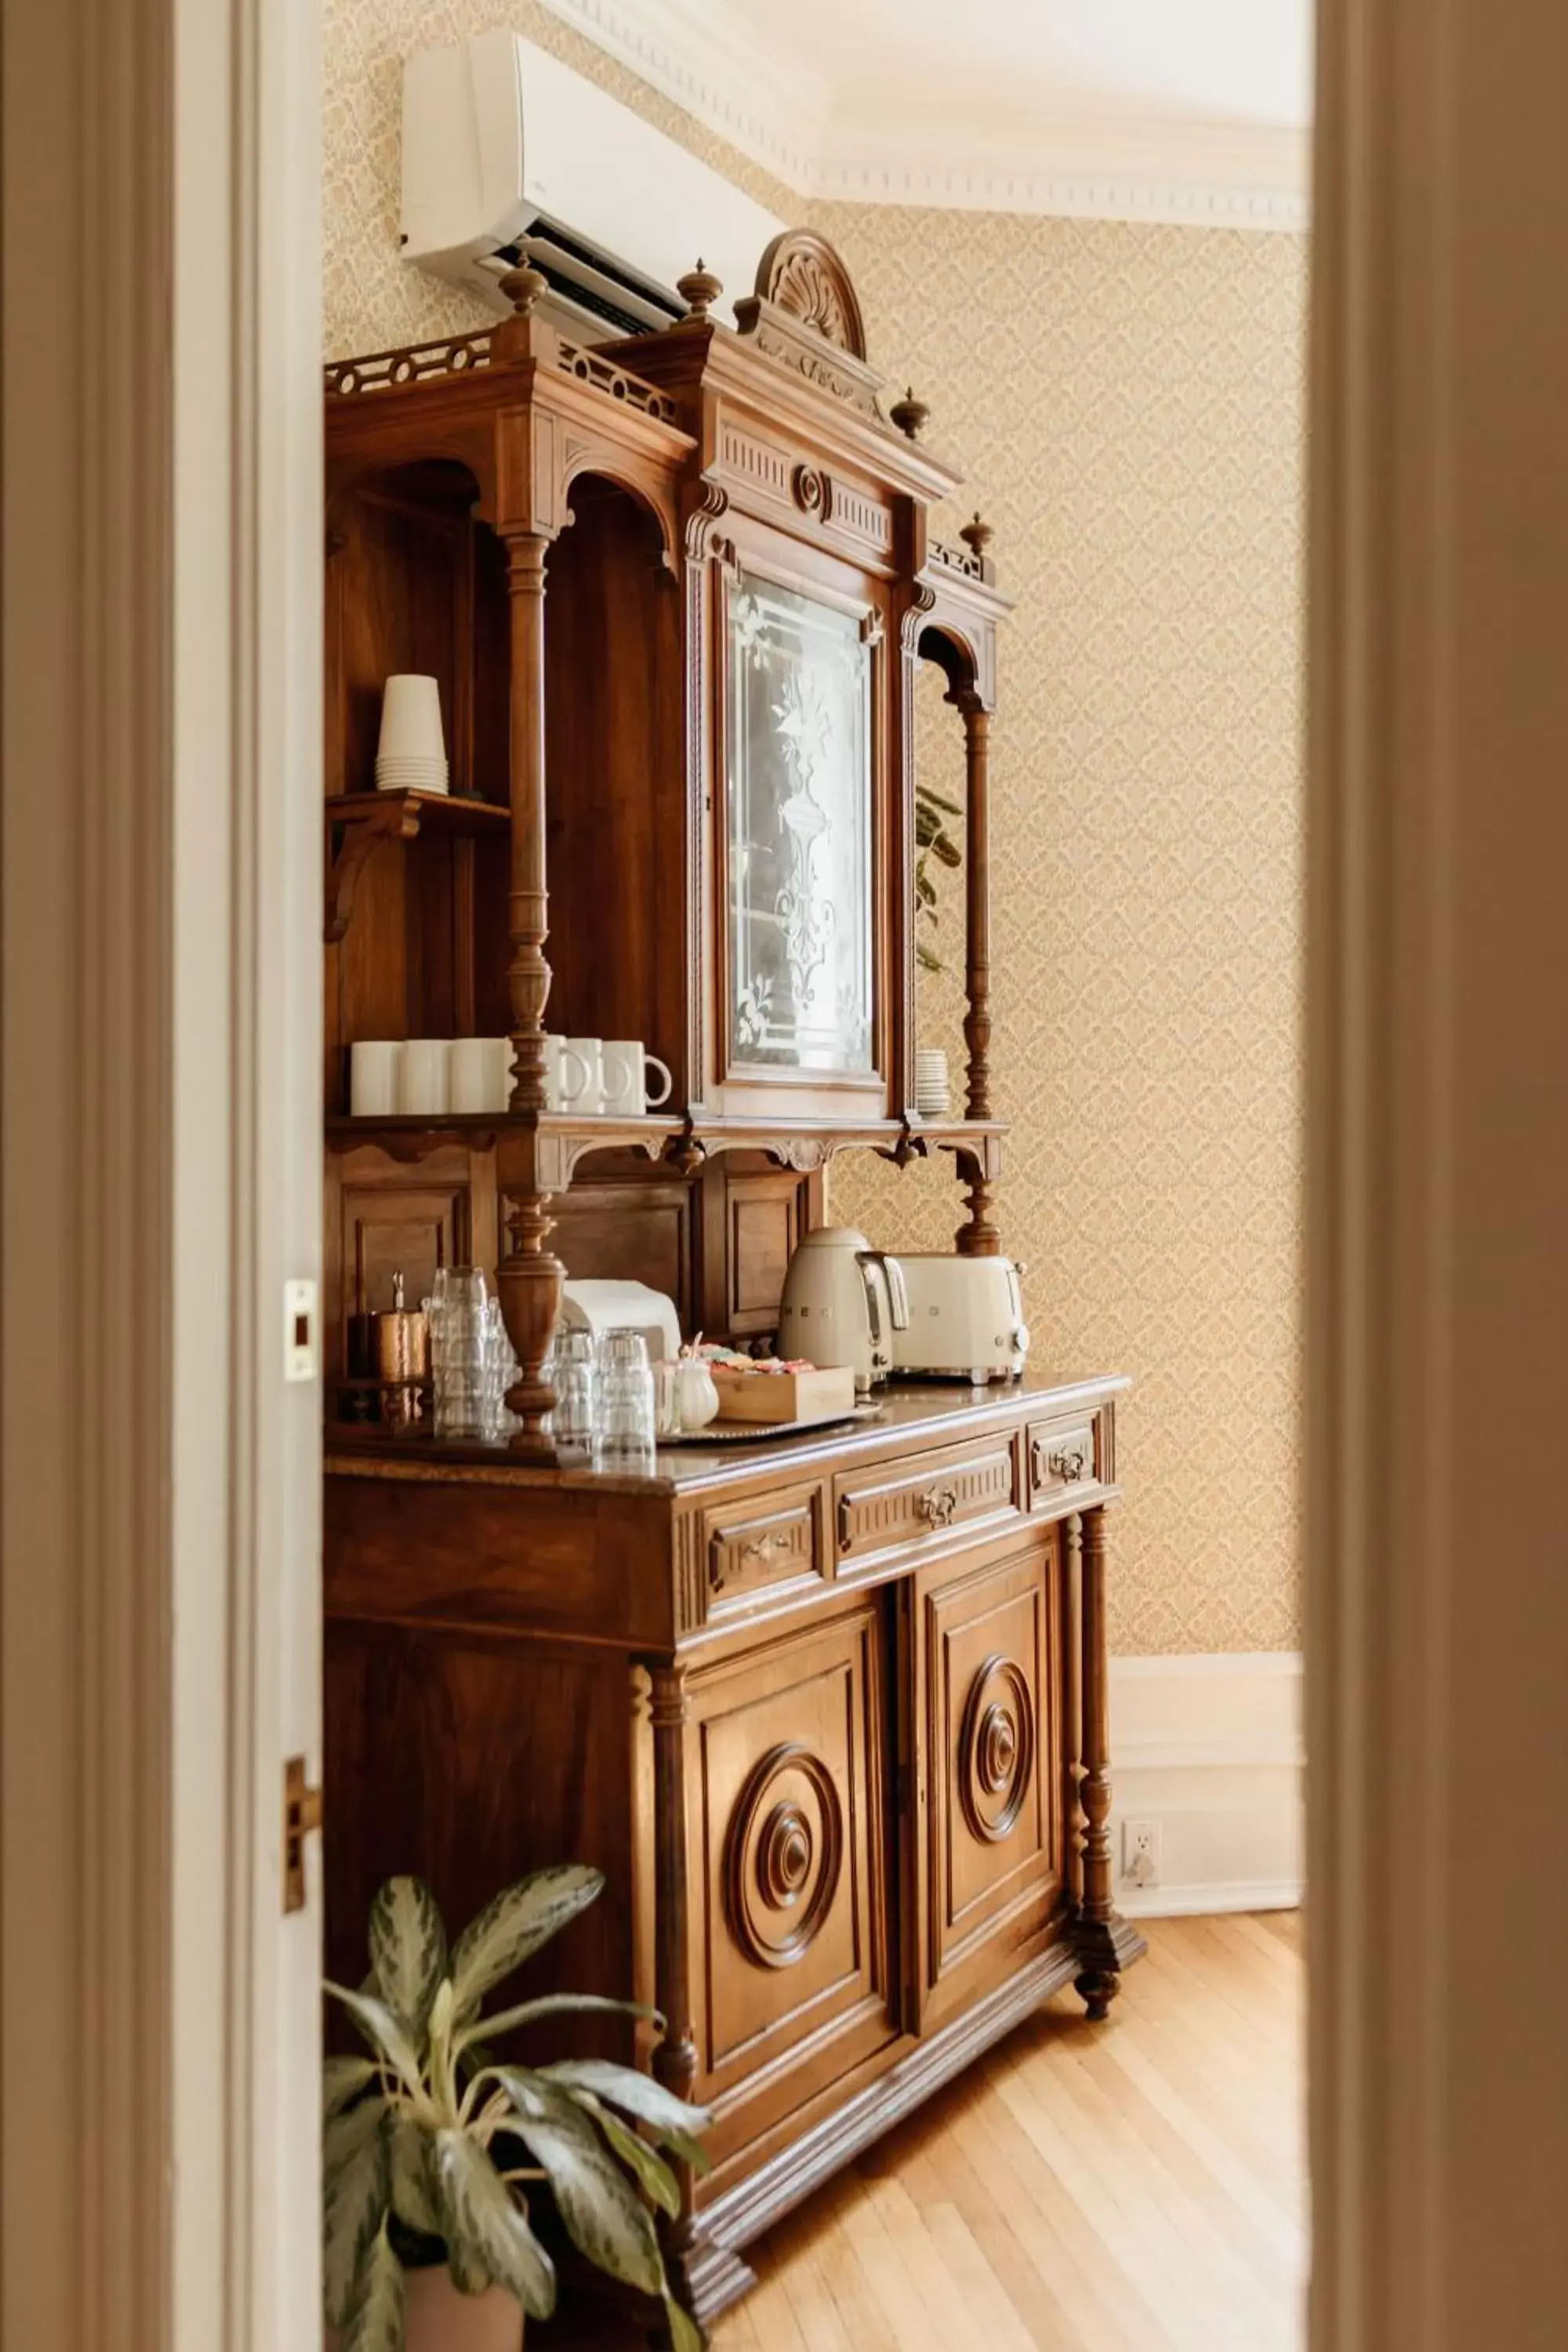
x=802, y=275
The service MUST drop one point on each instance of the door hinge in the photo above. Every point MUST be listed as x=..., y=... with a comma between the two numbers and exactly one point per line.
x=301, y=1814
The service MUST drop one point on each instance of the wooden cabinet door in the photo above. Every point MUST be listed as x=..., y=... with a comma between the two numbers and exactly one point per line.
x=789, y=1852
x=990, y=1721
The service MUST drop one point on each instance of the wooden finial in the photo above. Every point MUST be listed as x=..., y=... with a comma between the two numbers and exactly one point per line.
x=977, y=536
x=699, y=289
x=909, y=415
x=524, y=286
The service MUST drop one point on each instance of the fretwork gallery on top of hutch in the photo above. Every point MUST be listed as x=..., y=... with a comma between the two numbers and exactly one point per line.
x=830, y=1713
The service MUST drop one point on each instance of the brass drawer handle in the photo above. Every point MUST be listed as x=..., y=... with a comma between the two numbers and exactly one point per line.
x=936, y=1506
x=1067, y=1463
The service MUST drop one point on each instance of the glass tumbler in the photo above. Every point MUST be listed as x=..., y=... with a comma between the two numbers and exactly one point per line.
x=574, y=1375
x=626, y=1395
x=461, y=1351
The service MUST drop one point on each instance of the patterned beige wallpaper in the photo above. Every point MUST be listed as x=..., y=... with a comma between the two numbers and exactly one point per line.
x=1128, y=403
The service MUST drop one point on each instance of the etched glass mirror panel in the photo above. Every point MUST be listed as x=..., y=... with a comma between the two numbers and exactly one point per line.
x=800, y=832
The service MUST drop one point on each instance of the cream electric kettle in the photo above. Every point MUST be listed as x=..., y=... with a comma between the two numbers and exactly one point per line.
x=842, y=1302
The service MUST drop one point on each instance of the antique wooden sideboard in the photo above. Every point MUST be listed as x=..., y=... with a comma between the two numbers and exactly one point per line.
x=829, y=1711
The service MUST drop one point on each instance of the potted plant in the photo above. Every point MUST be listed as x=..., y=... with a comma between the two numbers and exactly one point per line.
x=933, y=839
x=431, y=2140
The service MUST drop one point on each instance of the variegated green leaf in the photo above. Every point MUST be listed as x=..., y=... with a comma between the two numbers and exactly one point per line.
x=343, y=2080
x=344, y=2134
x=353, y=2203
x=605, y=2218
x=407, y=1948
x=413, y=2195
x=551, y=2004
x=376, y=2323
x=653, y=2177
x=516, y=1924
x=636, y=2094
x=385, y=2033
x=479, y=2217
x=684, y=2333
x=534, y=2094
x=468, y=2276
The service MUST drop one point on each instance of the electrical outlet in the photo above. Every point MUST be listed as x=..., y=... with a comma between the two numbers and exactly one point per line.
x=1140, y=1853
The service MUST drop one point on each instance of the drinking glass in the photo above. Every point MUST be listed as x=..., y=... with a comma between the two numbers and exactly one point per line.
x=575, y=1378
x=627, y=1422
x=463, y=1367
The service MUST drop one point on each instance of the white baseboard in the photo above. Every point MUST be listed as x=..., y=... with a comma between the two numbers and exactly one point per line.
x=1208, y=1749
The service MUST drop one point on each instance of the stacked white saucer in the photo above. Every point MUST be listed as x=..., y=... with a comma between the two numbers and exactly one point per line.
x=932, y=1096
x=411, y=754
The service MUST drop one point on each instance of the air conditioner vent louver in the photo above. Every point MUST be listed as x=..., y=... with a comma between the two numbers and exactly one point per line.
x=623, y=302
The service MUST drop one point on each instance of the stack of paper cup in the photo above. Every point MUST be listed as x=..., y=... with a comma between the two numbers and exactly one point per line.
x=932, y=1099
x=411, y=754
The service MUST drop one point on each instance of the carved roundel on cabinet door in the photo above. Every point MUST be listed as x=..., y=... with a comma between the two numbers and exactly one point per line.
x=782, y=1855
x=996, y=1748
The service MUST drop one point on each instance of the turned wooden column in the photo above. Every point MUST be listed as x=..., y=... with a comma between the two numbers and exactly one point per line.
x=530, y=1277
x=978, y=1236
x=1072, y=1599
x=675, y=2057
x=1105, y=1942
x=977, y=906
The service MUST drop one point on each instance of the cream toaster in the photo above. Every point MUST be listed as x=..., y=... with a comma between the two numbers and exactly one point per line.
x=963, y=1319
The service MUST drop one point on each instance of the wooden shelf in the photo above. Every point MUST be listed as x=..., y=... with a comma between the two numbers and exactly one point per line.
x=357, y=822
x=466, y=1124
x=806, y=1143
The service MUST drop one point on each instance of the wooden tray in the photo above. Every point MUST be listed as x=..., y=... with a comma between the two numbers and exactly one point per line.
x=757, y=1433
x=824, y=1392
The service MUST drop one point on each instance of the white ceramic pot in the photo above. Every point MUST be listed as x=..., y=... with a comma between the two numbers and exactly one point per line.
x=441, y=2320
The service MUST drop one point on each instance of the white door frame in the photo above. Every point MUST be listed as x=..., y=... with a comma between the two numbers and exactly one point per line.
x=159, y=1590
x=1438, y=1618
x=158, y=1063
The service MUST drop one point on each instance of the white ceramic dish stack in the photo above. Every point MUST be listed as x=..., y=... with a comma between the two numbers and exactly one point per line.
x=933, y=1098
x=411, y=756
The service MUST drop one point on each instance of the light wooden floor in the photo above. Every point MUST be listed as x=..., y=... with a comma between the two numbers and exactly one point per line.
x=1132, y=2187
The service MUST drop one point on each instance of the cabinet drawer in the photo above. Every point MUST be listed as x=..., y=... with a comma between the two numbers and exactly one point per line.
x=757, y=1546
x=900, y=1505
x=1058, y=1456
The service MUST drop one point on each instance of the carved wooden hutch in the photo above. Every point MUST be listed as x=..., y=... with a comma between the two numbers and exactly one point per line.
x=830, y=1712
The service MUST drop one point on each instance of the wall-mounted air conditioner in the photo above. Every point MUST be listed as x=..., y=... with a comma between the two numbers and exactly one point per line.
x=506, y=150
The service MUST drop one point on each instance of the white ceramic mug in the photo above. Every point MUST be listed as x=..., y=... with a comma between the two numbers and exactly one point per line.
x=568, y=1073
x=497, y=1072
x=626, y=1067
x=374, y=1063
x=589, y=1053
x=424, y=1079
x=473, y=1074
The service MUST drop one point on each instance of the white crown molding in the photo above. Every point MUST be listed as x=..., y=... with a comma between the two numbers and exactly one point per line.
x=690, y=51
x=1082, y=164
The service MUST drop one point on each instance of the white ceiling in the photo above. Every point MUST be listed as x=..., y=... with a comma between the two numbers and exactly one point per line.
x=1171, y=110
